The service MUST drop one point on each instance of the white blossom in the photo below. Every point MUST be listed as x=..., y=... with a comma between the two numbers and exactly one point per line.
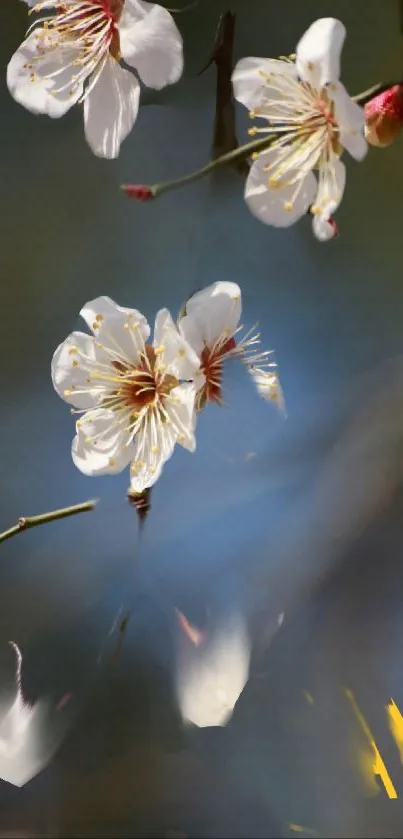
x=211, y=326
x=72, y=55
x=137, y=399
x=310, y=119
x=212, y=674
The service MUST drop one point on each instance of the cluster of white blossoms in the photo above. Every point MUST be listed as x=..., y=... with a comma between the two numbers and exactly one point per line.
x=309, y=120
x=73, y=55
x=137, y=399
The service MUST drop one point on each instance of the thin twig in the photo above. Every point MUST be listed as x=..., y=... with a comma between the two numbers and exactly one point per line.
x=235, y=157
x=375, y=90
x=25, y=522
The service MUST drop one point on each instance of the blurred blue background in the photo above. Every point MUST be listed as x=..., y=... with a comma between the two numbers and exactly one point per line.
x=310, y=525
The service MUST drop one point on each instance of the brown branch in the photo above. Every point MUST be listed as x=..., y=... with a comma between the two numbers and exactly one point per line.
x=224, y=135
x=26, y=522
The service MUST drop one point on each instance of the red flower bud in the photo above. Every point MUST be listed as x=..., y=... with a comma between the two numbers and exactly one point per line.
x=384, y=116
x=139, y=191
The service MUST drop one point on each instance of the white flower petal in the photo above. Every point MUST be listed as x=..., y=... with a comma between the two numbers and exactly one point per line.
x=180, y=408
x=99, y=445
x=70, y=370
x=251, y=85
x=351, y=121
x=216, y=310
x=210, y=677
x=45, y=4
x=28, y=75
x=122, y=330
x=332, y=181
x=324, y=228
x=193, y=332
x=278, y=207
x=318, y=52
x=110, y=109
x=151, y=42
x=180, y=359
x=153, y=446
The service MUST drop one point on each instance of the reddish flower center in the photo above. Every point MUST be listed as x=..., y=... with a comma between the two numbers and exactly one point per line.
x=142, y=385
x=86, y=24
x=112, y=8
x=212, y=361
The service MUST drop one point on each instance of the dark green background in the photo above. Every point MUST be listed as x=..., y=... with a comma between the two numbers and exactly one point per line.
x=311, y=526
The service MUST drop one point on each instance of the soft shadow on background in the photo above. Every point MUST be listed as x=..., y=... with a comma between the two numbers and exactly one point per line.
x=310, y=525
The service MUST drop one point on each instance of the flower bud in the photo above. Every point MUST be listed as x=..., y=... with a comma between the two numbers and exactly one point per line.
x=141, y=501
x=384, y=116
x=139, y=191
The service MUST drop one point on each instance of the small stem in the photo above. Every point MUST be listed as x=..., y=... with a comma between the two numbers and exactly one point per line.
x=367, y=95
x=25, y=522
x=237, y=155
x=241, y=153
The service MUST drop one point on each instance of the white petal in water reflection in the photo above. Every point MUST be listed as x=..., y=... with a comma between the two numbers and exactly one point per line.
x=28, y=737
x=211, y=675
x=195, y=635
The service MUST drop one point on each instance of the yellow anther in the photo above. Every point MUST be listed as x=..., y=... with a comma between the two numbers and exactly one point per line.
x=252, y=131
x=67, y=392
x=274, y=182
x=99, y=318
x=181, y=439
x=89, y=439
x=112, y=461
x=265, y=75
x=155, y=450
x=95, y=325
x=73, y=350
x=252, y=114
x=254, y=155
x=181, y=352
x=288, y=205
x=74, y=363
x=159, y=350
x=32, y=77
x=310, y=65
x=315, y=210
